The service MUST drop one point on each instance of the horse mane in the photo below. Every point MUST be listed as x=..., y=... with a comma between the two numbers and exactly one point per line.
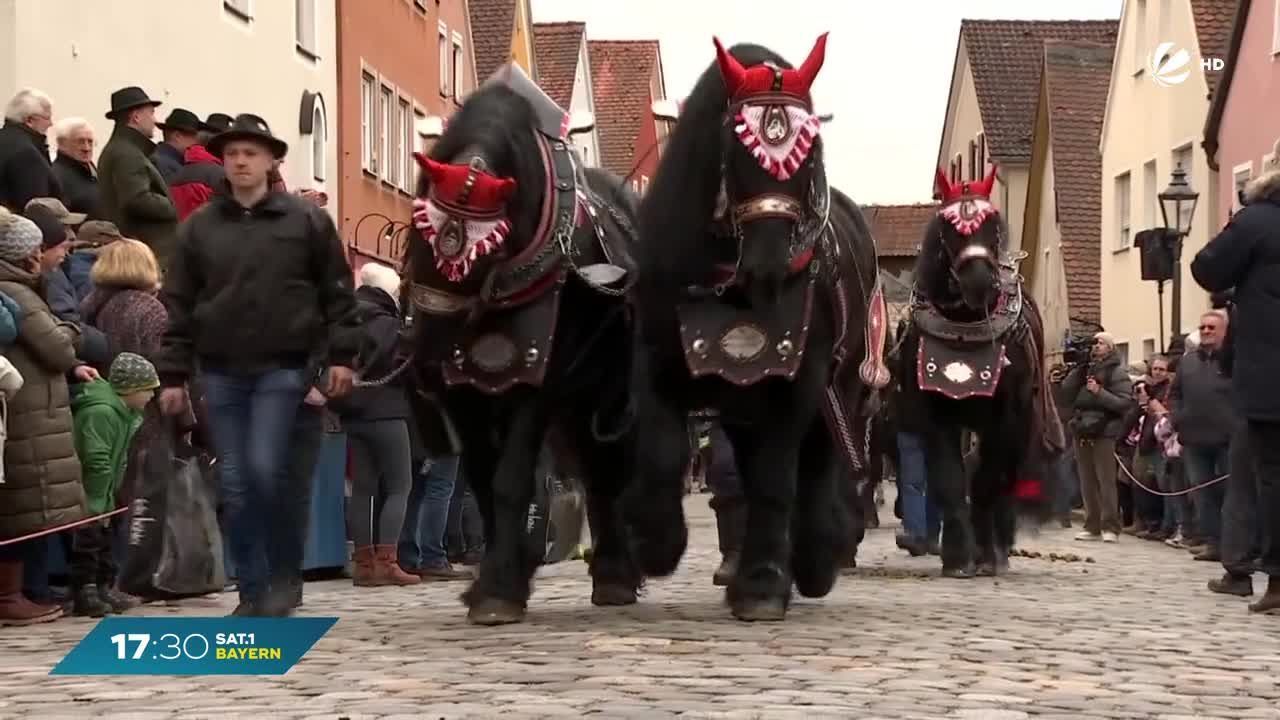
x=677, y=210
x=499, y=121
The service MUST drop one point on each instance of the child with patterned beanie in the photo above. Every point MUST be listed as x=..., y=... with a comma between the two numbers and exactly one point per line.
x=107, y=415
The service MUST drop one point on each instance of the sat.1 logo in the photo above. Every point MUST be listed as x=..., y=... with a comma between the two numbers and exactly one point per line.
x=1170, y=66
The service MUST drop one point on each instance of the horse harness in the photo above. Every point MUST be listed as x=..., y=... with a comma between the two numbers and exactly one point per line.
x=512, y=319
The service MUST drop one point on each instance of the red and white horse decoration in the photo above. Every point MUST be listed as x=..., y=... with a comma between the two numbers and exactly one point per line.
x=464, y=216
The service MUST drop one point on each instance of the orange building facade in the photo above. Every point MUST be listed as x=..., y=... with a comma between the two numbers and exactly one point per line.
x=399, y=61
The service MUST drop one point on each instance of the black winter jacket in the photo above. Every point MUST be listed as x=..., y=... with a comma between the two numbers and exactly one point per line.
x=1246, y=256
x=25, y=169
x=79, y=183
x=1200, y=401
x=379, y=321
x=255, y=288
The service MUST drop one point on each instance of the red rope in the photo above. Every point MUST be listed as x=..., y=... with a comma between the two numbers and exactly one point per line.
x=60, y=528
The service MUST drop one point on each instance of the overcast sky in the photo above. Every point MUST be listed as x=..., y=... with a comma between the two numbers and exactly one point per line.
x=886, y=76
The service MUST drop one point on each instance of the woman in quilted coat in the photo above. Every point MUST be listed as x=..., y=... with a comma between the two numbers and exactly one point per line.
x=41, y=488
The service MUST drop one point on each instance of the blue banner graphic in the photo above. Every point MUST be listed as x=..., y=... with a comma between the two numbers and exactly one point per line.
x=193, y=646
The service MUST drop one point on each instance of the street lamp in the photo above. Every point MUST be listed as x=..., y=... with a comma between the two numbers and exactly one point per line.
x=1178, y=208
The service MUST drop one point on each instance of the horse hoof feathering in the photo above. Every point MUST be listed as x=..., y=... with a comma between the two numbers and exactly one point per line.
x=760, y=610
x=494, y=611
x=612, y=595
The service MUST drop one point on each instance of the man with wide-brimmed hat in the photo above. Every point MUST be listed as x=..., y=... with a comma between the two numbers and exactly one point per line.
x=233, y=258
x=134, y=194
x=214, y=124
x=181, y=130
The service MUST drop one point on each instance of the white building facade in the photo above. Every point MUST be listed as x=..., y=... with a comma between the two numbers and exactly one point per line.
x=274, y=58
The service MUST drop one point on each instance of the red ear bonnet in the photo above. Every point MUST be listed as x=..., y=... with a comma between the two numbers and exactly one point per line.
x=949, y=193
x=466, y=187
x=743, y=82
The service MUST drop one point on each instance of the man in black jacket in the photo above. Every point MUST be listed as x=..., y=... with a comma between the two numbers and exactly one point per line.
x=25, y=168
x=259, y=286
x=1246, y=256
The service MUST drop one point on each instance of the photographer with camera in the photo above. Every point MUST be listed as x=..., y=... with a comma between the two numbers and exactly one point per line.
x=1101, y=397
x=1246, y=256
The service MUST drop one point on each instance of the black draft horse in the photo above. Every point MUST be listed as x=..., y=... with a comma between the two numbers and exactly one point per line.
x=514, y=339
x=972, y=359
x=736, y=225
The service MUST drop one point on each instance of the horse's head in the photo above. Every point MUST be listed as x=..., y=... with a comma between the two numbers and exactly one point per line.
x=771, y=163
x=964, y=243
x=481, y=186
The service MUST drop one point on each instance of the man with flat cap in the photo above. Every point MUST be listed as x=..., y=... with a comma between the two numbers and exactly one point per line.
x=261, y=303
x=180, y=130
x=133, y=192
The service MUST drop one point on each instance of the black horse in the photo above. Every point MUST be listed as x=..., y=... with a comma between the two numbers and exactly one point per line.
x=972, y=359
x=754, y=292
x=519, y=267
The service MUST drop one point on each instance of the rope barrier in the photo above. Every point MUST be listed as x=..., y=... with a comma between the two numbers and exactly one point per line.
x=1175, y=493
x=63, y=527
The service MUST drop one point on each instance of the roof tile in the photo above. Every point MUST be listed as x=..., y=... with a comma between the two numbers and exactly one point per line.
x=898, y=229
x=1006, y=57
x=491, y=24
x=557, y=46
x=620, y=73
x=1077, y=77
x=1214, y=20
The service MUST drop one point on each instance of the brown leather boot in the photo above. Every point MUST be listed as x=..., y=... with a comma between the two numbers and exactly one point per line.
x=366, y=569
x=15, y=608
x=388, y=568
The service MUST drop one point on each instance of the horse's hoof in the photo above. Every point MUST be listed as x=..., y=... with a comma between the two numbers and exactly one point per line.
x=985, y=569
x=493, y=611
x=612, y=595
x=760, y=610
x=964, y=572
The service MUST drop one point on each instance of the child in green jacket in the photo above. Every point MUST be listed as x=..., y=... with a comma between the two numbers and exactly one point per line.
x=107, y=414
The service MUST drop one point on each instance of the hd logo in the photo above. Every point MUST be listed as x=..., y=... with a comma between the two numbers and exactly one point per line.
x=1172, y=66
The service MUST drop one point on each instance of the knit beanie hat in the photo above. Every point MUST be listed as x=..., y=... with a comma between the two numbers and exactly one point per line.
x=381, y=277
x=132, y=373
x=19, y=237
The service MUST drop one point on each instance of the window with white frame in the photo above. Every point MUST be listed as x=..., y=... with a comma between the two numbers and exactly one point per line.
x=421, y=5
x=959, y=167
x=419, y=140
x=459, y=65
x=1275, y=31
x=242, y=9
x=1182, y=156
x=1241, y=175
x=1148, y=349
x=1122, y=212
x=1140, y=48
x=982, y=155
x=973, y=160
x=644, y=184
x=368, y=122
x=404, y=144
x=305, y=21
x=319, y=136
x=389, y=168
x=1150, y=189
x=442, y=40
x=1122, y=349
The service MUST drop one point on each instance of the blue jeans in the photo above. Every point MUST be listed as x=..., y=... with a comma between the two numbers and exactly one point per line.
x=1068, y=483
x=920, y=519
x=1204, y=463
x=252, y=417
x=427, y=514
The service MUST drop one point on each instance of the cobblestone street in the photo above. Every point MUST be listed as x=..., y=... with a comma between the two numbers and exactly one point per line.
x=1132, y=635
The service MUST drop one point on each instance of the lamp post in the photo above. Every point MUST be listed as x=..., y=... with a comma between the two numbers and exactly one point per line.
x=1178, y=208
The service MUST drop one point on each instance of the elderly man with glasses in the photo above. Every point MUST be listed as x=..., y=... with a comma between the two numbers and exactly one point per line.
x=25, y=168
x=74, y=167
